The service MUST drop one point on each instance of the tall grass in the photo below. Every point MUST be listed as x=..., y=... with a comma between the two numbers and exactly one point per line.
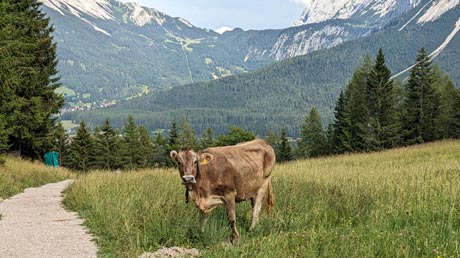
x=17, y=174
x=398, y=203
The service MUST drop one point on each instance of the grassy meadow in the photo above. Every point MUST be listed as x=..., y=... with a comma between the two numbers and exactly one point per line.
x=18, y=174
x=397, y=203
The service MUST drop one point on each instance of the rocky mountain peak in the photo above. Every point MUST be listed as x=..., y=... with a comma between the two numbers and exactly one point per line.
x=318, y=10
x=95, y=8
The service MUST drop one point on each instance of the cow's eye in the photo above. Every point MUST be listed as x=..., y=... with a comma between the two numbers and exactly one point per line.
x=179, y=163
x=196, y=161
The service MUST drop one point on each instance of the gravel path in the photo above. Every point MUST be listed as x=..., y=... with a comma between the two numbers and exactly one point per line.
x=34, y=224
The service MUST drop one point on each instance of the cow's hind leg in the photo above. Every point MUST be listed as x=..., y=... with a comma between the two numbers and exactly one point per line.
x=257, y=204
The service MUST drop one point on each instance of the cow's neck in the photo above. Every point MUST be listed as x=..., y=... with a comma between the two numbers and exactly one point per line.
x=199, y=190
x=199, y=181
x=202, y=196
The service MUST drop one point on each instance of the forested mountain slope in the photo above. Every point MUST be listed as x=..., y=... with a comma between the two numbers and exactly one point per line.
x=281, y=94
x=109, y=50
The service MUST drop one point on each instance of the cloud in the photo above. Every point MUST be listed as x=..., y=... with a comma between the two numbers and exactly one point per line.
x=303, y=3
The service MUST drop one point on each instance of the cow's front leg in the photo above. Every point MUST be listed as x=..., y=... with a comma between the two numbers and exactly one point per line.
x=230, y=203
x=203, y=220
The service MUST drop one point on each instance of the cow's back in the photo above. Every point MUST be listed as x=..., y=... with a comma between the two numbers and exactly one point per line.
x=266, y=152
x=245, y=166
x=255, y=153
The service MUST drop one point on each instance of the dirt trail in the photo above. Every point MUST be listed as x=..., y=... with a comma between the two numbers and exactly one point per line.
x=34, y=224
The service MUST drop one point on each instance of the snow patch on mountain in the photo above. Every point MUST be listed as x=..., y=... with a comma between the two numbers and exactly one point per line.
x=223, y=29
x=187, y=23
x=95, y=8
x=101, y=9
x=446, y=42
x=142, y=16
x=415, y=16
x=383, y=8
x=53, y=6
x=437, y=9
x=96, y=27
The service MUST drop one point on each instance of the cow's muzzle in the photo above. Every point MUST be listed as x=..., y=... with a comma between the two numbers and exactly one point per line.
x=189, y=179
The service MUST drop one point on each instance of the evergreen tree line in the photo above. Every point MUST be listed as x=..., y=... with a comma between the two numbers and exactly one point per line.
x=108, y=149
x=374, y=112
x=27, y=79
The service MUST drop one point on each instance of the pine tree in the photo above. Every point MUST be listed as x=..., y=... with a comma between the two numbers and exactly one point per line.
x=285, y=153
x=421, y=104
x=27, y=75
x=329, y=146
x=234, y=136
x=359, y=114
x=174, y=136
x=382, y=106
x=207, y=139
x=3, y=135
x=445, y=123
x=79, y=155
x=187, y=135
x=108, y=148
x=146, y=148
x=456, y=120
x=3, y=139
x=312, y=139
x=341, y=136
x=132, y=142
x=161, y=149
x=274, y=140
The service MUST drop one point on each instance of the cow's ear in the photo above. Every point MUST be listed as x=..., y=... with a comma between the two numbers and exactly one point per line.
x=205, y=158
x=173, y=154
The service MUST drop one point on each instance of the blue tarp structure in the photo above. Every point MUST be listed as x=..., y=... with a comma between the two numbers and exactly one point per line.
x=51, y=159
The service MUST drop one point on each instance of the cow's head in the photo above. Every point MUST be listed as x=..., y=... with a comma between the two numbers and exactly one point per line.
x=188, y=162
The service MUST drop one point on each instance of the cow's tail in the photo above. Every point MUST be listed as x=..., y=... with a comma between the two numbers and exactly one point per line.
x=270, y=197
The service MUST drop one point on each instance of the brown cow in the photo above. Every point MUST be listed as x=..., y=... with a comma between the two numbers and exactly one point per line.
x=225, y=175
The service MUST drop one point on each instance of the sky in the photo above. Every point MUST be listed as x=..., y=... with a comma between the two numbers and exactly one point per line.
x=245, y=14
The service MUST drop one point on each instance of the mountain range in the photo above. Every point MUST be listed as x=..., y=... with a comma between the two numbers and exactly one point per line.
x=281, y=93
x=110, y=50
x=370, y=12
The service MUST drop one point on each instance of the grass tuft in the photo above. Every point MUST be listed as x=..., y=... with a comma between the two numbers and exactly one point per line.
x=18, y=174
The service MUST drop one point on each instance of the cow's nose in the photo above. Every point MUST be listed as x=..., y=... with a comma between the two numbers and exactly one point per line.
x=189, y=179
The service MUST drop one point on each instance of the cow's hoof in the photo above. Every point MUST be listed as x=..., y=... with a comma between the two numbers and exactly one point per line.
x=226, y=245
x=234, y=240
